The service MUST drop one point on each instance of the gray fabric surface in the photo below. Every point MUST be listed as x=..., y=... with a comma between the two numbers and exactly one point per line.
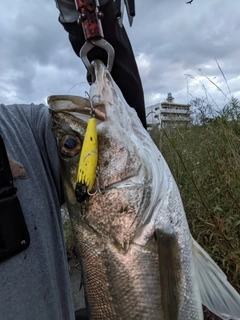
x=35, y=283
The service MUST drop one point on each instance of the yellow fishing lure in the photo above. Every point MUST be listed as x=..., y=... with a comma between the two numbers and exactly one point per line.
x=89, y=156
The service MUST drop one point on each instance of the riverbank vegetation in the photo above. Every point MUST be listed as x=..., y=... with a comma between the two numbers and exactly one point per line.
x=204, y=159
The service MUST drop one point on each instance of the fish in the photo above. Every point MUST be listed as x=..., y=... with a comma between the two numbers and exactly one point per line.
x=138, y=257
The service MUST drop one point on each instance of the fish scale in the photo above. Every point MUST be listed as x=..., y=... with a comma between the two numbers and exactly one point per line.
x=110, y=282
x=132, y=299
x=95, y=276
x=123, y=207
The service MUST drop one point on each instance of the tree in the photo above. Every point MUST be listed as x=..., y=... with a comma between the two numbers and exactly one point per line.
x=202, y=112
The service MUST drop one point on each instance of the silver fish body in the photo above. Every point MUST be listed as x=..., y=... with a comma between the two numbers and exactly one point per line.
x=134, y=240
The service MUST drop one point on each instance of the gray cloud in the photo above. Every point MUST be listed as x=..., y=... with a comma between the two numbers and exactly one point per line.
x=170, y=39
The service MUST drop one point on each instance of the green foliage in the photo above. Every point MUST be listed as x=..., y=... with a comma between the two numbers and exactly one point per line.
x=201, y=111
x=205, y=162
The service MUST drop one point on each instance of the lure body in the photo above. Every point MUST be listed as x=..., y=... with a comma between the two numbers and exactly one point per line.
x=89, y=156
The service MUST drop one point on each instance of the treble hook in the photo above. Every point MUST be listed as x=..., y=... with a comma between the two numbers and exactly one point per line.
x=92, y=112
x=98, y=188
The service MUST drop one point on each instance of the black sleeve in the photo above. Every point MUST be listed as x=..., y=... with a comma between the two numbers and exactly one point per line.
x=125, y=71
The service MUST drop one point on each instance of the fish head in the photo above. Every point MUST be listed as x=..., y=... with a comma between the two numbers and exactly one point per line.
x=124, y=178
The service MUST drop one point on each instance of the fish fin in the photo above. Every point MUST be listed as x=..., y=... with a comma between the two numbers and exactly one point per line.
x=170, y=273
x=216, y=292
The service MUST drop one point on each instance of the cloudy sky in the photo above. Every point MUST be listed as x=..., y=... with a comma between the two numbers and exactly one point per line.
x=171, y=39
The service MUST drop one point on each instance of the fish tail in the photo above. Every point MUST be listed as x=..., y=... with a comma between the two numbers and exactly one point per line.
x=216, y=292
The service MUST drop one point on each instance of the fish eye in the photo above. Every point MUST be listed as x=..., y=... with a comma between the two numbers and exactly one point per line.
x=70, y=145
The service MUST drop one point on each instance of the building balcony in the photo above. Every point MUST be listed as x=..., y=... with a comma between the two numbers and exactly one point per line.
x=174, y=111
x=175, y=119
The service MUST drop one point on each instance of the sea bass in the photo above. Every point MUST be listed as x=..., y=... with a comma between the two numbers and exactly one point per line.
x=138, y=257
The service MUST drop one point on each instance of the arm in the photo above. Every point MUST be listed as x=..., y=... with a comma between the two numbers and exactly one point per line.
x=124, y=72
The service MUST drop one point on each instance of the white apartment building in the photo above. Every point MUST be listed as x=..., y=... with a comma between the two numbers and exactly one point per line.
x=168, y=113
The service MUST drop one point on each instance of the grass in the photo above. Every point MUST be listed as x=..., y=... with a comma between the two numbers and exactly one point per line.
x=205, y=162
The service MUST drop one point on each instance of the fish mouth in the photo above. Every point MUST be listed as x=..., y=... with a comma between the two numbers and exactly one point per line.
x=77, y=106
x=82, y=194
